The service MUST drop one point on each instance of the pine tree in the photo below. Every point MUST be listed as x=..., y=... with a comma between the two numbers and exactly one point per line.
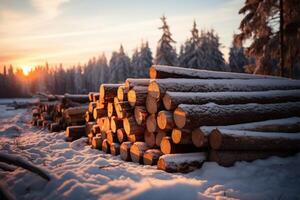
x=165, y=52
x=145, y=60
x=119, y=66
x=237, y=58
x=135, y=63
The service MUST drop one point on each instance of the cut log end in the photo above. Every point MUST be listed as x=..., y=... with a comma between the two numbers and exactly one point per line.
x=198, y=137
x=176, y=135
x=125, y=151
x=115, y=149
x=140, y=114
x=131, y=97
x=180, y=117
x=151, y=156
x=167, y=101
x=165, y=120
x=105, y=146
x=152, y=104
x=121, y=134
x=152, y=72
x=215, y=139
x=153, y=90
x=150, y=138
x=137, y=151
x=166, y=145
x=151, y=123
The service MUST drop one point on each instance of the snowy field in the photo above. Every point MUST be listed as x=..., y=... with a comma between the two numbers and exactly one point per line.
x=79, y=172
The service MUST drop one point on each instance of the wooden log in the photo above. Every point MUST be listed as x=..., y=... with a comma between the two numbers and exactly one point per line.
x=110, y=109
x=288, y=125
x=137, y=96
x=163, y=71
x=153, y=105
x=39, y=123
x=182, y=136
x=157, y=88
x=92, y=106
x=55, y=127
x=122, y=108
x=135, y=138
x=99, y=112
x=200, y=136
x=221, y=139
x=103, y=135
x=97, y=142
x=88, y=117
x=91, y=96
x=115, y=123
x=121, y=134
x=109, y=91
x=101, y=103
x=105, y=146
x=111, y=137
x=46, y=124
x=125, y=151
x=100, y=122
x=96, y=97
x=137, y=151
x=193, y=116
x=96, y=129
x=132, y=128
x=79, y=98
x=165, y=120
x=172, y=99
x=76, y=111
x=140, y=114
x=122, y=93
x=186, y=162
x=228, y=158
x=89, y=127
x=151, y=123
x=150, y=138
x=151, y=156
x=115, y=149
x=132, y=82
x=106, y=124
x=75, y=132
x=159, y=136
x=90, y=137
x=168, y=147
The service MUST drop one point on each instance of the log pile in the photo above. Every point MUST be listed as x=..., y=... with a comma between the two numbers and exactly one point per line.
x=179, y=118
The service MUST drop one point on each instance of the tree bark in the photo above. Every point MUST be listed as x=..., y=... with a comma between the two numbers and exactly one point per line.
x=75, y=132
x=132, y=128
x=109, y=91
x=221, y=139
x=159, y=136
x=123, y=109
x=79, y=98
x=157, y=88
x=135, y=138
x=151, y=156
x=161, y=71
x=200, y=136
x=99, y=112
x=182, y=136
x=122, y=93
x=115, y=123
x=137, y=151
x=150, y=138
x=97, y=142
x=132, y=82
x=111, y=137
x=115, y=149
x=55, y=127
x=172, y=99
x=193, y=116
x=121, y=134
x=181, y=162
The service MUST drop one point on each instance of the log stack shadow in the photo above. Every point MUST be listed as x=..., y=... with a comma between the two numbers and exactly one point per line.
x=180, y=118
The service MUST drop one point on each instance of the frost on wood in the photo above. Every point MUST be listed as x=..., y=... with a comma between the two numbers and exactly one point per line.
x=157, y=88
x=181, y=162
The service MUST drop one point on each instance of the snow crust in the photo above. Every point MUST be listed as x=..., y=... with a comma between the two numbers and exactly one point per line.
x=80, y=172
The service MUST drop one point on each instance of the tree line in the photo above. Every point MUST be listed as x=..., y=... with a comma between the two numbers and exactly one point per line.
x=271, y=51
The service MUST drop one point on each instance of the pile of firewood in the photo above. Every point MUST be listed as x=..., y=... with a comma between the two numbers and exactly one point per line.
x=57, y=112
x=179, y=118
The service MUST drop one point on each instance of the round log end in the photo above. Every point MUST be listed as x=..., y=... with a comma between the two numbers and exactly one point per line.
x=152, y=72
x=121, y=93
x=131, y=96
x=151, y=156
x=126, y=125
x=198, y=137
x=179, y=117
x=215, y=139
x=153, y=90
x=110, y=109
x=161, y=164
x=121, y=135
x=151, y=104
x=115, y=149
x=176, y=135
x=166, y=145
x=162, y=120
x=135, y=154
x=149, y=138
x=151, y=123
x=159, y=137
x=105, y=146
x=125, y=151
x=102, y=91
x=140, y=114
x=167, y=101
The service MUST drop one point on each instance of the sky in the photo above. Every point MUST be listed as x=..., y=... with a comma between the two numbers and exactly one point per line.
x=33, y=32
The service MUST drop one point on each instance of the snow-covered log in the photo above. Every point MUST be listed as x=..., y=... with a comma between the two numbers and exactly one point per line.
x=168, y=147
x=228, y=158
x=125, y=151
x=172, y=99
x=7, y=167
x=157, y=88
x=193, y=116
x=115, y=123
x=162, y=71
x=151, y=156
x=165, y=120
x=109, y=91
x=137, y=151
x=75, y=132
x=80, y=98
x=181, y=136
x=200, y=136
x=186, y=162
x=114, y=149
x=76, y=111
x=121, y=134
x=222, y=139
x=54, y=127
x=20, y=162
x=140, y=114
x=132, y=82
x=132, y=128
x=137, y=96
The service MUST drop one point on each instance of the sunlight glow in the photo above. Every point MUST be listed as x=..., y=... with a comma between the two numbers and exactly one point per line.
x=26, y=69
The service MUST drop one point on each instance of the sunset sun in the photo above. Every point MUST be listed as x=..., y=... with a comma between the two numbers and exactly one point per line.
x=26, y=69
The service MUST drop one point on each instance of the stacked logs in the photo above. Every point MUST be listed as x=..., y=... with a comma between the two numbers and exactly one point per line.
x=181, y=117
x=61, y=112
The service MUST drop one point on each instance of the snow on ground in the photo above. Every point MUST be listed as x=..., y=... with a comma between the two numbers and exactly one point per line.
x=79, y=172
